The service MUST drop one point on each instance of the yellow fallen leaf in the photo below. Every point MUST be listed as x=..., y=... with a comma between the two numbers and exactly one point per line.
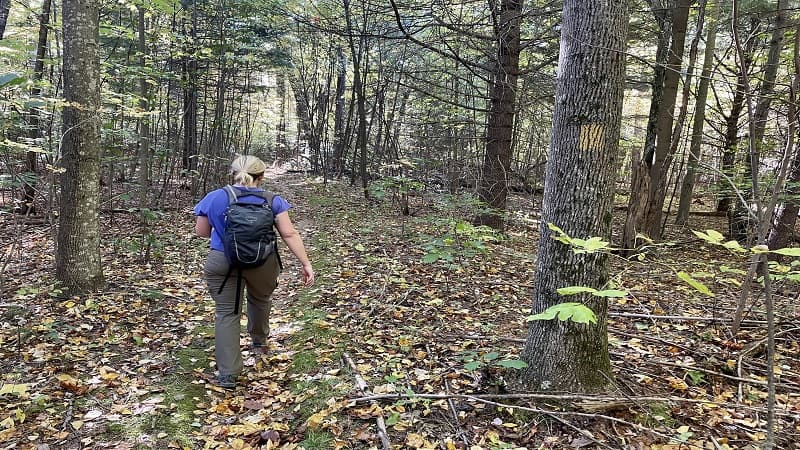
x=108, y=373
x=414, y=440
x=678, y=384
x=13, y=389
x=315, y=421
x=8, y=422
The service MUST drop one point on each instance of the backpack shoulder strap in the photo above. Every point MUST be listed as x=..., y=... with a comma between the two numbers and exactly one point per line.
x=232, y=197
x=269, y=196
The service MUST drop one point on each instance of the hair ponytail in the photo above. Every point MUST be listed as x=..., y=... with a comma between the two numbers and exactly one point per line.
x=246, y=168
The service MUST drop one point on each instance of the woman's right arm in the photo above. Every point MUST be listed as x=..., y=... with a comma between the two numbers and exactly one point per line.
x=292, y=238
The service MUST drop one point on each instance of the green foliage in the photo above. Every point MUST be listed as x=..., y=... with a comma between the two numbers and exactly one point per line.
x=579, y=246
x=575, y=312
x=779, y=271
x=697, y=378
x=463, y=241
x=700, y=287
x=10, y=79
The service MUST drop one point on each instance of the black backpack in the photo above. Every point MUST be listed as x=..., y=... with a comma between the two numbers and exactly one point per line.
x=249, y=238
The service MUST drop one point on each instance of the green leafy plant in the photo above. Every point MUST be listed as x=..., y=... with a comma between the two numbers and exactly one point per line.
x=462, y=241
x=575, y=312
x=579, y=246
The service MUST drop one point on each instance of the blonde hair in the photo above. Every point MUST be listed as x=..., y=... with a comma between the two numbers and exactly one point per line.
x=246, y=168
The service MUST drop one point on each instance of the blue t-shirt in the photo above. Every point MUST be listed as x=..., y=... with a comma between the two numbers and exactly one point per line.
x=214, y=204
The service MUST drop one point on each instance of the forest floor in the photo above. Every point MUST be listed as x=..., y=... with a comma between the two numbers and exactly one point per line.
x=131, y=367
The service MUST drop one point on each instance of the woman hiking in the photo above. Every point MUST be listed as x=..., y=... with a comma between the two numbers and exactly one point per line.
x=226, y=275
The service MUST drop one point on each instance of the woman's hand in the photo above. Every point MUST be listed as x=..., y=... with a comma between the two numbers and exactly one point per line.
x=308, y=274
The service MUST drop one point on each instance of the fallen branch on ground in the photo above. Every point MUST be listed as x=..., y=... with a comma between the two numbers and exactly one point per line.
x=364, y=389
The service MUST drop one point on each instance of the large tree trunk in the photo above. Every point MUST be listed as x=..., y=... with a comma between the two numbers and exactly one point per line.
x=578, y=197
x=687, y=186
x=662, y=160
x=493, y=189
x=78, y=252
x=5, y=7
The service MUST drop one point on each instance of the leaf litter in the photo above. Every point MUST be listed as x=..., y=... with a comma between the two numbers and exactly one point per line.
x=435, y=344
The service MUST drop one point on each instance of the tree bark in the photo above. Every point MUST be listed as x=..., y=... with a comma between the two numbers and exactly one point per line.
x=687, y=186
x=578, y=197
x=731, y=139
x=786, y=217
x=642, y=161
x=765, y=93
x=144, y=121
x=337, y=165
x=493, y=188
x=189, y=148
x=5, y=8
x=78, y=251
x=662, y=160
x=360, y=90
x=35, y=131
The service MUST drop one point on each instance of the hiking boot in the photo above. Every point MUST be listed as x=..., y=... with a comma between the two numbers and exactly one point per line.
x=227, y=381
x=259, y=348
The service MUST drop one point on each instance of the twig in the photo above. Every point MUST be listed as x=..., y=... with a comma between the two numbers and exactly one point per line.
x=482, y=399
x=719, y=374
x=455, y=414
x=364, y=389
x=13, y=305
x=651, y=339
x=749, y=349
x=68, y=414
x=686, y=318
x=528, y=396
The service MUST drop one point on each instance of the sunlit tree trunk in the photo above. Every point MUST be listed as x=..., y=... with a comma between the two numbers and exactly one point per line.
x=78, y=251
x=578, y=197
x=493, y=189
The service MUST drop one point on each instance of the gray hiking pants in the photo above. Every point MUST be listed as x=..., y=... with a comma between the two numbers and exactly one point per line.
x=259, y=284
